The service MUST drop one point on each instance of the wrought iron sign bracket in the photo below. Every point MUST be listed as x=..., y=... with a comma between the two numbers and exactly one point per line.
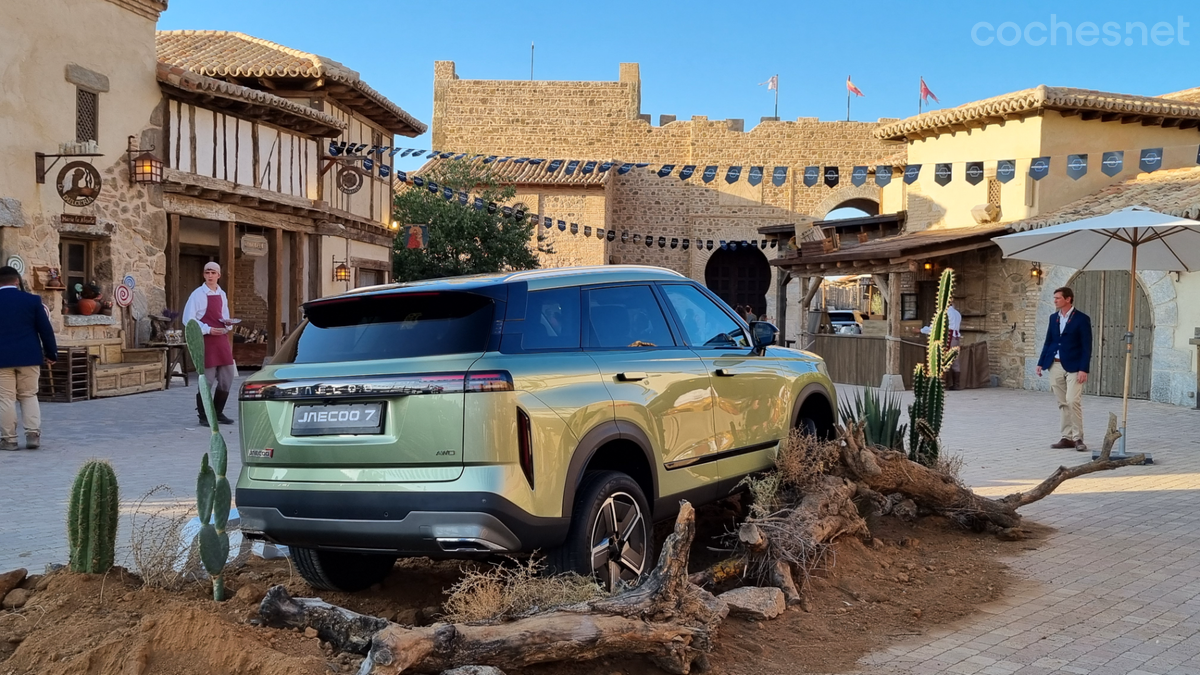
x=329, y=161
x=39, y=160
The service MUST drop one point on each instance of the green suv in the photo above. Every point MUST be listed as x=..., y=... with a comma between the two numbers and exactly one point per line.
x=564, y=410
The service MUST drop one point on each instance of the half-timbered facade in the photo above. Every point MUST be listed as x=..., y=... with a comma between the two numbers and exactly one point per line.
x=249, y=180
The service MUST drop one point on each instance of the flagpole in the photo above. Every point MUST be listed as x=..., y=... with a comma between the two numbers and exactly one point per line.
x=531, y=61
x=920, y=98
x=847, y=104
x=777, y=97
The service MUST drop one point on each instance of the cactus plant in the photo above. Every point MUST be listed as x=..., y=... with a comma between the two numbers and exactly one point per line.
x=92, y=518
x=929, y=391
x=213, y=496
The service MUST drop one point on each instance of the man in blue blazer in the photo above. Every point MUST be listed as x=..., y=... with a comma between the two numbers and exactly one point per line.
x=1067, y=356
x=28, y=340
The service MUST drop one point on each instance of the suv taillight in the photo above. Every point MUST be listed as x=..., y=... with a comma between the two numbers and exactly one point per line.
x=254, y=391
x=525, y=445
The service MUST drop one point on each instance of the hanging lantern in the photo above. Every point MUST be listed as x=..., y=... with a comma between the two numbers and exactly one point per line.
x=341, y=271
x=145, y=168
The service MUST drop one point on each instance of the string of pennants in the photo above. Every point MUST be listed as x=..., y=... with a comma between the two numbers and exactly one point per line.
x=1077, y=165
x=417, y=236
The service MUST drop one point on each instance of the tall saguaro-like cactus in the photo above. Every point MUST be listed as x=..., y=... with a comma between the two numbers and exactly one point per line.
x=213, y=496
x=925, y=413
x=92, y=518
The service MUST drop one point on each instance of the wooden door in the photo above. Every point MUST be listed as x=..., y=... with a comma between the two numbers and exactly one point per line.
x=1104, y=297
x=740, y=277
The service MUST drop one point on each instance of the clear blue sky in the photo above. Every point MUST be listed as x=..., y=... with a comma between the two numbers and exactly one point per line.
x=707, y=58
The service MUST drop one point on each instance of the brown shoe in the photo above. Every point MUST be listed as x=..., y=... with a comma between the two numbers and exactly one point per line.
x=1080, y=446
x=33, y=440
x=1064, y=444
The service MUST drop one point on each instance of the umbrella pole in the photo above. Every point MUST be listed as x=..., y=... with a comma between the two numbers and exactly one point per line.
x=1128, y=349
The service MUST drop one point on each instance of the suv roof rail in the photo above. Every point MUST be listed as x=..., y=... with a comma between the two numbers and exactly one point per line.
x=567, y=271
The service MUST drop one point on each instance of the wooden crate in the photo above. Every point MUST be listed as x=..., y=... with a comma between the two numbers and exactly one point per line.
x=68, y=379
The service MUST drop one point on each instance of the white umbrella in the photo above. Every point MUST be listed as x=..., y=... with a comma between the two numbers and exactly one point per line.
x=1129, y=239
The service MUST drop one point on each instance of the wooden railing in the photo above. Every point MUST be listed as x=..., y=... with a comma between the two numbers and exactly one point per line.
x=862, y=359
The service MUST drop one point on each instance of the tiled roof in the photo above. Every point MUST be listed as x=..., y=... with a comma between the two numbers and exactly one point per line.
x=257, y=103
x=1190, y=95
x=1036, y=100
x=531, y=174
x=925, y=242
x=226, y=54
x=1175, y=192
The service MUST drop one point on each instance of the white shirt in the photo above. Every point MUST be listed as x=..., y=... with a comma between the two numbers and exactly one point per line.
x=955, y=321
x=197, y=305
x=1062, y=324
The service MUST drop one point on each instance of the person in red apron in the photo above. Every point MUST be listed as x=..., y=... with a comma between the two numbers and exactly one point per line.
x=209, y=306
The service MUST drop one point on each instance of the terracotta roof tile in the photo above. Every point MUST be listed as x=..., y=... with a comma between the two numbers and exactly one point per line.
x=532, y=174
x=1174, y=191
x=1190, y=95
x=302, y=117
x=227, y=54
x=1038, y=99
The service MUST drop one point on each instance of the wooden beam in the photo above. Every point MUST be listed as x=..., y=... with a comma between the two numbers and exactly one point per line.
x=1189, y=124
x=1130, y=119
x=1090, y=115
x=274, y=289
x=174, y=299
x=892, y=360
x=1109, y=117
x=227, y=237
x=1068, y=113
x=298, y=275
x=1152, y=121
x=315, y=255
x=1171, y=122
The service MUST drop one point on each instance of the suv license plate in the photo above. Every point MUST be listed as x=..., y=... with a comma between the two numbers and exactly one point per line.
x=337, y=418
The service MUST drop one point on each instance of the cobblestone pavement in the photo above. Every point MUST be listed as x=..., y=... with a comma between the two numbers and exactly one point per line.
x=1116, y=589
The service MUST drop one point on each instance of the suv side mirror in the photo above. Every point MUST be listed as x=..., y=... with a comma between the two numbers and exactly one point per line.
x=763, y=335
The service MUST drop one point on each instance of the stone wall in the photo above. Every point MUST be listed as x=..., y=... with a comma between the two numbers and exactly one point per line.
x=603, y=121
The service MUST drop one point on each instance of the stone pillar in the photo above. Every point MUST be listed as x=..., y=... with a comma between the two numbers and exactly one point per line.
x=228, y=255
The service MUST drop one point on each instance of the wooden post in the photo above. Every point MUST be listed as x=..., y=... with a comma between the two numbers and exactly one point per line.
x=781, y=302
x=297, y=281
x=174, y=299
x=314, y=266
x=274, y=289
x=893, y=318
x=228, y=255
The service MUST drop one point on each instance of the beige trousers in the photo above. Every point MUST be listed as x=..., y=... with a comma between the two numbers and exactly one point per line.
x=1069, y=391
x=19, y=384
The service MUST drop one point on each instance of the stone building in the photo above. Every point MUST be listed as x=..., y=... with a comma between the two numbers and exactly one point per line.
x=602, y=121
x=243, y=127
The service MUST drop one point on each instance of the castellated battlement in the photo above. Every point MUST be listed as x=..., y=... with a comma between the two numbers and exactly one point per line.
x=603, y=119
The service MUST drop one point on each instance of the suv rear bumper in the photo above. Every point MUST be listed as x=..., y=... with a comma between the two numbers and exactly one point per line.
x=404, y=523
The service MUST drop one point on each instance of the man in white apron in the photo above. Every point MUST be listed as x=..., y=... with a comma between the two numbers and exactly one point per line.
x=209, y=306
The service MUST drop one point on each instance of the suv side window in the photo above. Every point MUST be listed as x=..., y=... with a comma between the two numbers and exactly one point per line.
x=552, y=319
x=626, y=316
x=704, y=322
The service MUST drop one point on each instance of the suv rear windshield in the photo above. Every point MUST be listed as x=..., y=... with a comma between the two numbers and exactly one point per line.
x=393, y=326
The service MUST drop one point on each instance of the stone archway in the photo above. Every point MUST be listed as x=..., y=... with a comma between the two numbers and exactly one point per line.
x=864, y=197
x=739, y=276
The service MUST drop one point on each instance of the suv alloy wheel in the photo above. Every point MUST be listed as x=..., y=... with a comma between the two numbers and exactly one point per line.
x=610, y=536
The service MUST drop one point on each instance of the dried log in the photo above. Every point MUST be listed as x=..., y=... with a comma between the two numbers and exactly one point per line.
x=888, y=471
x=666, y=617
x=347, y=630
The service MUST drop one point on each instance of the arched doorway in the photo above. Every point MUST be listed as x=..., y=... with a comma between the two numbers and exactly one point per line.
x=853, y=208
x=740, y=276
x=1104, y=296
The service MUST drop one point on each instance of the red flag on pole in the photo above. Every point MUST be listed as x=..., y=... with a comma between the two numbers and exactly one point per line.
x=851, y=88
x=926, y=94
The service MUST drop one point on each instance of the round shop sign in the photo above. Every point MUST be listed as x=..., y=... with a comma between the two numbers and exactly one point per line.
x=15, y=262
x=124, y=295
x=78, y=183
x=349, y=180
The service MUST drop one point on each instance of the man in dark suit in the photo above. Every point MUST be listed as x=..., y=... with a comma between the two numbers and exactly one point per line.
x=28, y=340
x=1066, y=357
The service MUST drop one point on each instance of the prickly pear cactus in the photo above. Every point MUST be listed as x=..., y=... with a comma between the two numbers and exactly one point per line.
x=929, y=390
x=213, y=496
x=92, y=518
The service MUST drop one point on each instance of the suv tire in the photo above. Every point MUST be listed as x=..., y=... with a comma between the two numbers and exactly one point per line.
x=611, y=532
x=341, y=571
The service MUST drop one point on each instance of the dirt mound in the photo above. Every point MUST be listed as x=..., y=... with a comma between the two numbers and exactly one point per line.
x=915, y=576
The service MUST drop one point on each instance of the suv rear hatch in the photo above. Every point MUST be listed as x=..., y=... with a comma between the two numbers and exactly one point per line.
x=368, y=388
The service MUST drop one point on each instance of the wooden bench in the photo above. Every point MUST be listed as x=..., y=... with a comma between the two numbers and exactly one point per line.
x=117, y=371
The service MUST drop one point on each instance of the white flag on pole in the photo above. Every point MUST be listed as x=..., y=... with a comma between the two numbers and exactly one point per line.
x=772, y=83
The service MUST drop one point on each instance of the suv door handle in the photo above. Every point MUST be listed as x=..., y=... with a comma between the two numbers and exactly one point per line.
x=726, y=372
x=630, y=377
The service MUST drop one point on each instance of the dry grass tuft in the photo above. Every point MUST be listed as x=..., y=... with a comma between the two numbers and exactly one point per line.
x=512, y=590
x=802, y=461
x=950, y=466
x=155, y=543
